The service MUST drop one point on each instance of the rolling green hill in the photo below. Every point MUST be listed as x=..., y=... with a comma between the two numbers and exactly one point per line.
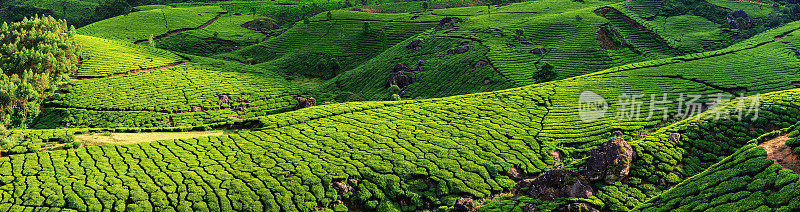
x=406, y=154
x=489, y=97
x=746, y=180
x=103, y=57
x=188, y=94
x=321, y=47
x=139, y=26
x=577, y=38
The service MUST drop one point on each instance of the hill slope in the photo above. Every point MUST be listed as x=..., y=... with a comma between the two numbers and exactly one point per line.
x=400, y=155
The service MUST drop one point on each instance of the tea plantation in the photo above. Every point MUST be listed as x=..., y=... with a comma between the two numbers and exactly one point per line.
x=102, y=57
x=436, y=105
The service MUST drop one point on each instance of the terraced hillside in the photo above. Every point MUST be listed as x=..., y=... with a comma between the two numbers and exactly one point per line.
x=197, y=93
x=416, y=154
x=324, y=47
x=102, y=57
x=140, y=26
x=746, y=180
x=545, y=40
x=318, y=105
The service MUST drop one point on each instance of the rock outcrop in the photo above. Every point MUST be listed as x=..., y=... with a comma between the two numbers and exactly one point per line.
x=481, y=64
x=556, y=183
x=459, y=50
x=421, y=65
x=414, y=45
x=304, y=103
x=539, y=51
x=342, y=187
x=739, y=19
x=465, y=205
x=224, y=99
x=611, y=162
x=576, y=207
x=530, y=208
x=447, y=23
x=675, y=138
x=402, y=76
x=261, y=25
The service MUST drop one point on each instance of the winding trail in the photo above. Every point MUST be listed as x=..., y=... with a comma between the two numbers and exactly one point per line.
x=173, y=32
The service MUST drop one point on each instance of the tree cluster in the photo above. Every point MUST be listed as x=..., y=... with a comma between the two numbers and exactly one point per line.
x=36, y=54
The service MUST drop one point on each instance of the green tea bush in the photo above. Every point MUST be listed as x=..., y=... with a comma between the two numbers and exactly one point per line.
x=138, y=26
x=171, y=97
x=102, y=57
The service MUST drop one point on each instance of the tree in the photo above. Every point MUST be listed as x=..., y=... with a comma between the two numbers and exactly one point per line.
x=152, y=42
x=425, y=6
x=39, y=53
x=112, y=8
x=329, y=15
x=546, y=73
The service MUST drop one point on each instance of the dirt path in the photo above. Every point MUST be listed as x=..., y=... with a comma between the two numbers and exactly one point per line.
x=135, y=71
x=132, y=138
x=782, y=154
x=173, y=32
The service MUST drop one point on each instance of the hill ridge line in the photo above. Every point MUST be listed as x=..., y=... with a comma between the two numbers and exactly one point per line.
x=173, y=32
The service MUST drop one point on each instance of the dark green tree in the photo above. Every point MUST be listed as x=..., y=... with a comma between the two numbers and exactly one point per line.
x=112, y=8
x=38, y=54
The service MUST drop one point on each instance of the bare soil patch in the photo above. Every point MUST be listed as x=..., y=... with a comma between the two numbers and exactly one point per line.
x=782, y=154
x=96, y=139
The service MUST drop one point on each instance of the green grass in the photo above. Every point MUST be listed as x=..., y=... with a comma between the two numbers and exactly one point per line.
x=95, y=139
x=229, y=27
x=29, y=141
x=140, y=26
x=644, y=37
x=102, y=57
x=417, y=6
x=454, y=136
